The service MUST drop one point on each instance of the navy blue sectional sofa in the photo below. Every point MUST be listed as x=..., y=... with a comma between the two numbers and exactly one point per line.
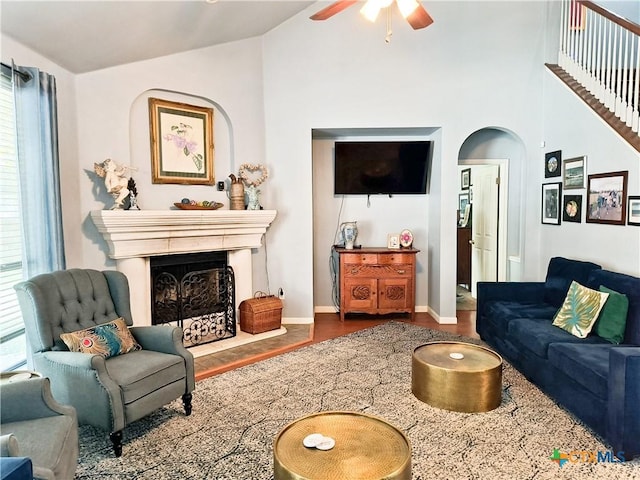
x=598, y=381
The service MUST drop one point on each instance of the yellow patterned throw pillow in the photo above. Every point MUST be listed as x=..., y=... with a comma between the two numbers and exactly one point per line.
x=580, y=310
x=108, y=339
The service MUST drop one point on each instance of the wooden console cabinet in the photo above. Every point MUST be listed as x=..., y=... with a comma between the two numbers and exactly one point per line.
x=377, y=281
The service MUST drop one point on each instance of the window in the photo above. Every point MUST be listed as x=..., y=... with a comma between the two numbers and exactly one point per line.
x=12, y=340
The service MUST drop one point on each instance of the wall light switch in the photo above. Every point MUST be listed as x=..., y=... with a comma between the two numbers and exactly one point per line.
x=221, y=186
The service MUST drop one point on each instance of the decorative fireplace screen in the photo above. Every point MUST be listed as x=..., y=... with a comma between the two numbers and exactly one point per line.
x=196, y=292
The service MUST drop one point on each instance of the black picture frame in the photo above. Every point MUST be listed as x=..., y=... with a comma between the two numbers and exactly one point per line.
x=634, y=210
x=553, y=164
x=551, y=206
x=465, y=179
x=572, y=208
x=607, y=198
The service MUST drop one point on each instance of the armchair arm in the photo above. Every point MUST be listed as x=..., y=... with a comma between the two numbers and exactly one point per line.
x=9, y=446
x=30, y=399
x=166, y=339
x=82, y=380
x=623, y=423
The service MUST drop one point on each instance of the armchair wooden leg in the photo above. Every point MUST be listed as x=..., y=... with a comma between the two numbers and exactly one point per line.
x=186, y=400
x=116, y=439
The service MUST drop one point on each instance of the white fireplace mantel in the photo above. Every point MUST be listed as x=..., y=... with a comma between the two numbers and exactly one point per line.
x=135, y=236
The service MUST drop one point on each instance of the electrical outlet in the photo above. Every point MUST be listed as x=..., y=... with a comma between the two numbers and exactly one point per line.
x=221, y=186
x=281, y=293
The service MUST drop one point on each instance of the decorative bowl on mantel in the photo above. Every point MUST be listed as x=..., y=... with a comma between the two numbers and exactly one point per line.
x=206, y=205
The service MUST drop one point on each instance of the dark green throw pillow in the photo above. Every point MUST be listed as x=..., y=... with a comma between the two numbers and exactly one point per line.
x=612, y=320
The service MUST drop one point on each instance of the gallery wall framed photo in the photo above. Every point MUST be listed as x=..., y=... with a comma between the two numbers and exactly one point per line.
x=551, y=206
x=465, y=179
x=552, y=164
x=181, y=143
x=607, y=198
x=572, y=208
x=634, y=210
x=574, y=173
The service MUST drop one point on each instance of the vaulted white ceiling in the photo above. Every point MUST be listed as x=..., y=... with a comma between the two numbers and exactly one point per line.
x=87, y=35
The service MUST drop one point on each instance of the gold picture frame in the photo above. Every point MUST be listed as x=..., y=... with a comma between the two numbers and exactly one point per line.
x=181, y=143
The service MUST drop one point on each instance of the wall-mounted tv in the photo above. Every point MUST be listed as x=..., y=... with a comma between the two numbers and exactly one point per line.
x=381, y=167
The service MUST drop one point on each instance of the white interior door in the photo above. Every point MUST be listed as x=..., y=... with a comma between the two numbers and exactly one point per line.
x=484, y=224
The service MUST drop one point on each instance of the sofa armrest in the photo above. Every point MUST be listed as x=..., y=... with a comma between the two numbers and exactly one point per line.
x=166, y=339
x=9, y=446
x=30, y=399
x=623, y=423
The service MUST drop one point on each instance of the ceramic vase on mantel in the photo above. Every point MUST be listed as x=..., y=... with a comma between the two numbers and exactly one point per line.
x=349, y=231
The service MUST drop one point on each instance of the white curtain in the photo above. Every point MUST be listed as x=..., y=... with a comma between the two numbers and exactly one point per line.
x=38, y=164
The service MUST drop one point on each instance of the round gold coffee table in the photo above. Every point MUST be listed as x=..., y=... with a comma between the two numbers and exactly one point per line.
x=457, y=376
x=366, y=448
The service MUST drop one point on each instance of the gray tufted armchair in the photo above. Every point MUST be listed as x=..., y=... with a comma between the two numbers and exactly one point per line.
x=109, y=393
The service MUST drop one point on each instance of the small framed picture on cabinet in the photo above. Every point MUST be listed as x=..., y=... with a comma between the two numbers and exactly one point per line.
x=393, y=240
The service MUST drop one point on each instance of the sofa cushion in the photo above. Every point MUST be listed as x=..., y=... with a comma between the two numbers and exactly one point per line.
x=628, y=285
x=500, y=313
x=107, y=339
x=580, y=310
x=612, y=320
x=586, y=364
x=560, y=273
x=536, y=336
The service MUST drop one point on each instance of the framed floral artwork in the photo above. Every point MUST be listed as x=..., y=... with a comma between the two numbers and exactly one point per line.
x=607, y=198
x=181, y=143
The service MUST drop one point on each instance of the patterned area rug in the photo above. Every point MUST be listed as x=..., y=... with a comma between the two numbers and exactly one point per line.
x=237, y=415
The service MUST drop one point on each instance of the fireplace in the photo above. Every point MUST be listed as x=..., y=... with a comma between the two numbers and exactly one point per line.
x=134, y=238
x=196, y=292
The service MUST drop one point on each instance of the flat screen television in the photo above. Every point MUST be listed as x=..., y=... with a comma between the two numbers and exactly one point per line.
x=381, y=167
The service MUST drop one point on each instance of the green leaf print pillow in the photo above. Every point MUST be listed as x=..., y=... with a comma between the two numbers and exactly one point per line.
x=580, y=310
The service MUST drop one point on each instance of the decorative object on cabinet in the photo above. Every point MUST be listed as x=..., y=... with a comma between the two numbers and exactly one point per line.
x=572, y=208
x=574, y=172
x=607, y=198
x=463, y=201
x=552, y=163
x=181, y=143
x=465, y=179
x=634, y=210
x=116, y=180
x=203, y=205
x=349, y=233
x=253, y=202
x=551, y=197
x=377, y=281
x=236, y=193
x=406, y=238
x=393, y=240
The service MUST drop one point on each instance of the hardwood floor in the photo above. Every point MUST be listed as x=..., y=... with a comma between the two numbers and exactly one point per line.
x=326, y=326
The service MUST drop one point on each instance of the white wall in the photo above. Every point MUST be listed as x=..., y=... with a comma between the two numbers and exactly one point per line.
x=478, y=65
x=571, y=127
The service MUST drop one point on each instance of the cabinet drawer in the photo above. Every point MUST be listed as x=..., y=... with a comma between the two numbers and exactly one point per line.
x=360, y=258
x=378, y=271
x=393, y=258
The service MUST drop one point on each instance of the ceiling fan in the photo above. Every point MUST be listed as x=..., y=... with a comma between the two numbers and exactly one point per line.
x=411, y=10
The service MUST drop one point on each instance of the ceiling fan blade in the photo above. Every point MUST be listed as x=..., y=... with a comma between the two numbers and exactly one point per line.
x=419, y=18
x=332, y=9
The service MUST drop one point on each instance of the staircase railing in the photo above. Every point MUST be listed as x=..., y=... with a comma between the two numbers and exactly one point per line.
x=601, y=51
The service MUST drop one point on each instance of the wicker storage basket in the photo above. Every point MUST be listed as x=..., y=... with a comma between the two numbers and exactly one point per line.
x=260, y=314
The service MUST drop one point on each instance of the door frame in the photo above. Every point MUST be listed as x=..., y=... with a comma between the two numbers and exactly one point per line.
x=503, y=190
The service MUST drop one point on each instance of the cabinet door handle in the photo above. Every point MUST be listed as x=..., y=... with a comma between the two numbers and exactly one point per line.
x=471, y=242
x=354, y=271
x=401, y=271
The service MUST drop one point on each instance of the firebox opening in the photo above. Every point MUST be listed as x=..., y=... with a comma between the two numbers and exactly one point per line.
x=196, y=292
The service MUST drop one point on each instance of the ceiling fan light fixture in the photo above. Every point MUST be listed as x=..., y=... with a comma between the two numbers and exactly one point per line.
x=407, y=7
x=371, y=9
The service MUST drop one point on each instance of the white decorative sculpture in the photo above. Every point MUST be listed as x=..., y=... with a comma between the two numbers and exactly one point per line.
x=252, y=194
x=115, y=180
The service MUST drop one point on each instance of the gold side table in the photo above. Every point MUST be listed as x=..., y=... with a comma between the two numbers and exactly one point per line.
x=366, y=448
x=457, y=376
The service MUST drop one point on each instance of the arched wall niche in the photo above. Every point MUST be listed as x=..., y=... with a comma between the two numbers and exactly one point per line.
x=161, y=196
x=489, y=145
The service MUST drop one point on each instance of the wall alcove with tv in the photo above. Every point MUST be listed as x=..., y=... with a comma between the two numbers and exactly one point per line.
x=381, y=203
